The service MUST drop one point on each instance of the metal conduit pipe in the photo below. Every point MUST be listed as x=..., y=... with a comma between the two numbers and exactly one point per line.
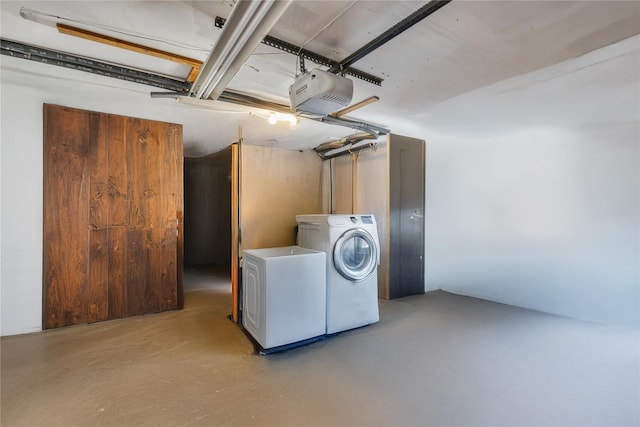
x=360, y=125
x=249, y=23
x=339, y=143
x=240, y=15
x=250, y=101
x=354, y=180
x=351, y=148
x=272, y=14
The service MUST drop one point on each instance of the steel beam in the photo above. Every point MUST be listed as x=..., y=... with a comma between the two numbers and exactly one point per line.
x=61, y=59
x=311, y=56
x=392, y=32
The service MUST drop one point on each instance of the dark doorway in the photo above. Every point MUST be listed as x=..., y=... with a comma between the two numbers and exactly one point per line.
x=207, y=206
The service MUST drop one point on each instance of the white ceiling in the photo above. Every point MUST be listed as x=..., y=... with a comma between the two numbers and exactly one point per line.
x=464, y=46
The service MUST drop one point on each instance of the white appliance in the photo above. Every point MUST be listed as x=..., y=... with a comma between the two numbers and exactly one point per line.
x=320, y=92
x=353, y=254
x=283, y=295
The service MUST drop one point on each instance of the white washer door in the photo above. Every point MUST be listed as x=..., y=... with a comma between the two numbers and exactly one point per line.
x=355, y=255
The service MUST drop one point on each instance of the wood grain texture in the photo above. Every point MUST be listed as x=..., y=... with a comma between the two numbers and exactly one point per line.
x=98, y=169
x=136, y=277
x=97, y=299
x=155, y=265
x=65, y=226
x=170, y=216
x=117, y=272
x=180, y=261
x=112, y=191
x=178, y=149
x=118, y=183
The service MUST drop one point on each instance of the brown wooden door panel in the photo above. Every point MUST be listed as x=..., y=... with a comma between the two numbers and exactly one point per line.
x=98, y=171
x=117, y=272
x=136, y=282
x=118, y=182
x=66, y=238
x=113, y=188
x=154, y=268
x=168, y=292
x=66, y=261
x=176, y=142
x=97, y=297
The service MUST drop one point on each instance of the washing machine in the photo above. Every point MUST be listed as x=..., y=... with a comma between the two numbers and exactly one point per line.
x=353, y=254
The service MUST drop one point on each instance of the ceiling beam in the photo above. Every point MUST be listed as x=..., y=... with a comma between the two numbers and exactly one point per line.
x=391, y=33
x=79, y=63
x=134, y=47
x=311, y=56
x=355, y=106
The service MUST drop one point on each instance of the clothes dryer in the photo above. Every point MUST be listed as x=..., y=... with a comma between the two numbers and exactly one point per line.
x=353, y=254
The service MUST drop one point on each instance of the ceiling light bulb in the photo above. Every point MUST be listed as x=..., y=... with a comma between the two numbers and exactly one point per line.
x=282, y=117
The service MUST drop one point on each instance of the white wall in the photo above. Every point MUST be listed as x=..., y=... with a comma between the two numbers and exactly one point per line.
x=21, y=197
x=21, y=262
x=22, y=95
x=533, y=194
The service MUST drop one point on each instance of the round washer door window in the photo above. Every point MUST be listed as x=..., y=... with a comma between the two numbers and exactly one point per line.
x=355, y=254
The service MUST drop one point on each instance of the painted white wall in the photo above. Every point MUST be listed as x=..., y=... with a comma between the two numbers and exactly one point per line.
x=22, y=95
x=533, y=189
x=21, y=257
x=21, y=198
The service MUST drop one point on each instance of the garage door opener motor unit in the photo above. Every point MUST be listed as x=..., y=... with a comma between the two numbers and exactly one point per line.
x=320, y=92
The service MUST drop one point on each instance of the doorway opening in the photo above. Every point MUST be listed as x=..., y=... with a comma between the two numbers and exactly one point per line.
x=207, y=224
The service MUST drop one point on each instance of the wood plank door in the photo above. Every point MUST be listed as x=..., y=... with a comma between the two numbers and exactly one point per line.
x=112, y=216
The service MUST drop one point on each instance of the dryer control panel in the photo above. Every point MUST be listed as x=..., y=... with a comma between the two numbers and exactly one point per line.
x=361, y=219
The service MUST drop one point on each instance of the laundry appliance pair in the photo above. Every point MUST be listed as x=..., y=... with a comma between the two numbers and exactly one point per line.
x=326, y=284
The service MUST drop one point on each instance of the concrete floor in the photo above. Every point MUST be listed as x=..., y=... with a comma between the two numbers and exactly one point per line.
x=436, y=359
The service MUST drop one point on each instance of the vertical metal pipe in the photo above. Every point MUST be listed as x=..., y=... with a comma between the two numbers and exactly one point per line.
x=354, y=182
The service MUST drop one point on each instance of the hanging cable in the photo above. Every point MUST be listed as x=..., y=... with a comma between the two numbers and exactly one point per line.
x=310, y=39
